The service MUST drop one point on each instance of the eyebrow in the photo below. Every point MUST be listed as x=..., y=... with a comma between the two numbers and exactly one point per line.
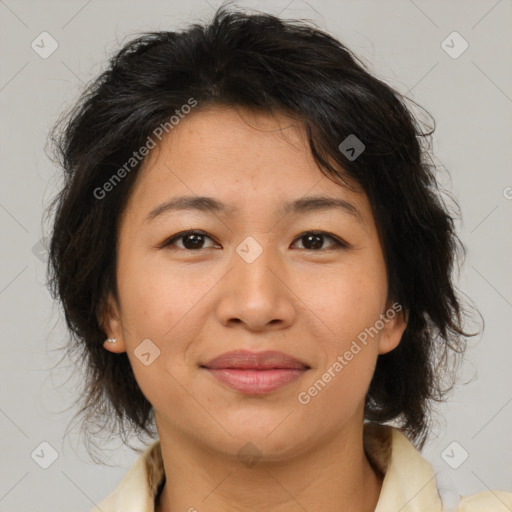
x=211, y=205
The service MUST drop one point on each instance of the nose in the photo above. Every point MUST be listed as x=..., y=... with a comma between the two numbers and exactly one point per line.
x=257, y=294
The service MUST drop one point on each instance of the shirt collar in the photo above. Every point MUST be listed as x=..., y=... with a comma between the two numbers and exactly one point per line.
x=409, y=483
x=409, y=480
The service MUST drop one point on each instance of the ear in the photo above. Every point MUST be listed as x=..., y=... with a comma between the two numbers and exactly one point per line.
x=395, y=322
x=110, y=322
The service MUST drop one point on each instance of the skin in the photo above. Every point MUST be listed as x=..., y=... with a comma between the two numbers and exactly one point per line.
x=195, y=304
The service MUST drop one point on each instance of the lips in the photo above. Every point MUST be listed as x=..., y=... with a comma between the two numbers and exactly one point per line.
x=255, y=373
x=247, y=360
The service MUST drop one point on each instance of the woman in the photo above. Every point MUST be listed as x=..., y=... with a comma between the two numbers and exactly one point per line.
x=253, y=257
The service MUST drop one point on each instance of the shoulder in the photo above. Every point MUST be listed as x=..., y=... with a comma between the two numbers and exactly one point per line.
x=137, y=490
x=487, y=501
x=406, y=470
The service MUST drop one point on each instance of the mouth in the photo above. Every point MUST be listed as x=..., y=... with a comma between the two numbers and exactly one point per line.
x=255, y=373
x=256, y=382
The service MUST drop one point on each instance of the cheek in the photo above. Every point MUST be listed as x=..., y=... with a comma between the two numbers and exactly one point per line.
x=350, y=301
x=167, y=306
x=347, y=353
x=155, y=295
x=351, y=304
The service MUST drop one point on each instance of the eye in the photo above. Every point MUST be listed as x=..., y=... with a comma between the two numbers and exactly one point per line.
x=194, y=240
x=191, y=240
x=313, y=241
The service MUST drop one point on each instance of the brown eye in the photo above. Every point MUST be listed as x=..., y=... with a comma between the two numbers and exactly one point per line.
x=314, y=241
x=195, y=241
x=190, y=240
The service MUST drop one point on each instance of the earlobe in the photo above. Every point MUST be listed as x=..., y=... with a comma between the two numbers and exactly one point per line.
x=110, y=323
x=114, y=345
x=393, y=330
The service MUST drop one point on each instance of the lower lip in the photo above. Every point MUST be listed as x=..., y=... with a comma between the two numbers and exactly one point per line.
x=256, y=382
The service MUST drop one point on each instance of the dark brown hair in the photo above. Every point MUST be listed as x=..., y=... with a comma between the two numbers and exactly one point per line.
x=263, y=62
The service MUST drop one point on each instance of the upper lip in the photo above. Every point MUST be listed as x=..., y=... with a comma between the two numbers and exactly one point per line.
x=245, y=359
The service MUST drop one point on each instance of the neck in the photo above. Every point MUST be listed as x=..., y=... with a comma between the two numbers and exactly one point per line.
x=332, y=476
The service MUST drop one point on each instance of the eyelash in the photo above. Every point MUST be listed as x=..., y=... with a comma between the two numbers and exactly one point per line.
x=338, y=244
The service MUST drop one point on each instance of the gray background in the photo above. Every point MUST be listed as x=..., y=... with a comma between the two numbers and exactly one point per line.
x=401, y=41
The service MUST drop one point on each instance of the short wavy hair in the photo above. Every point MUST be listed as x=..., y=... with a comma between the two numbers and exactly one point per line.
x=262, y=62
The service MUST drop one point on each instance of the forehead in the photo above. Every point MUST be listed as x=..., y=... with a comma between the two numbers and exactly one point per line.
x=238, y=156
x=235, y=143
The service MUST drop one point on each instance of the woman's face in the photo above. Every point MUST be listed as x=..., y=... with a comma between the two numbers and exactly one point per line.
x=254, y=278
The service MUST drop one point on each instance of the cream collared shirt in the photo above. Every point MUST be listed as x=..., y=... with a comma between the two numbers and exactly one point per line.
x=410, y=483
